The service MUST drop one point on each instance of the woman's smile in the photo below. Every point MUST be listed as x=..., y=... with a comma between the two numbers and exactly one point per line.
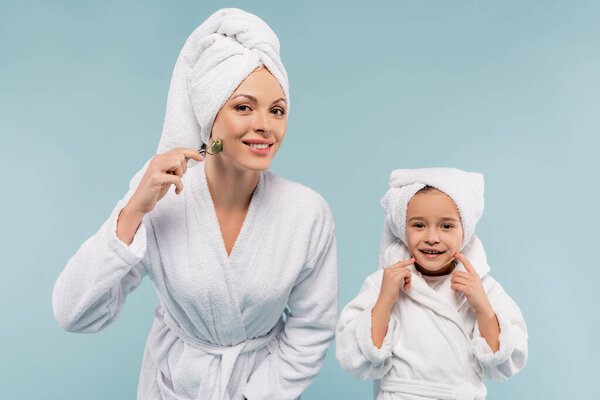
x=258, y=146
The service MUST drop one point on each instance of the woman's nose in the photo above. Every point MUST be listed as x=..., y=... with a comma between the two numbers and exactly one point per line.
x=262, y=123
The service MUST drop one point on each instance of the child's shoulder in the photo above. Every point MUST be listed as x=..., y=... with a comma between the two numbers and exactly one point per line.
x=374, y=280
x=489, y=283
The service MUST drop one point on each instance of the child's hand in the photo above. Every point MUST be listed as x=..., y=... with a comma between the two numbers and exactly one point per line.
x=394, y=276
x=470, y=285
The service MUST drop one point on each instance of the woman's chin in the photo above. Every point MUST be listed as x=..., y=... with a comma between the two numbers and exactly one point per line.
x=258, y=165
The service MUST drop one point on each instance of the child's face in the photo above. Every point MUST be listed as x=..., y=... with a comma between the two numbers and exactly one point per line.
x=433, y=229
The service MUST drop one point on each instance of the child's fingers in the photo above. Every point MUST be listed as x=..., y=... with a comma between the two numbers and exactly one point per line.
x=402, y=264
x=457, y=287
x=463, y=274
x=459, y=280
x=465, y=262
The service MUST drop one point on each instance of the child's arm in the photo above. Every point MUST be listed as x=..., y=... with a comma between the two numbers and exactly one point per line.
x=470, y=285
x=500, y=335
x=354, y=347
x=357, y=350
x=394, y=276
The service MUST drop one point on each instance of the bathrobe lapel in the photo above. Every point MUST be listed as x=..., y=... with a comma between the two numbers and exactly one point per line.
x=229, y=324
x=437, y=301
x=422, y=293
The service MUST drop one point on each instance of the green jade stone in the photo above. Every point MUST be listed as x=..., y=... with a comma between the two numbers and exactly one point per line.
x=216, y=146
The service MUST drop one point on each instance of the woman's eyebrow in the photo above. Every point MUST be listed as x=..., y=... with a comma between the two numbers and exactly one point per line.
x=254, y=99
x=245, y=95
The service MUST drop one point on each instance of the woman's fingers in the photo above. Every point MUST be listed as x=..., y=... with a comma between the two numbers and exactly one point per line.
x=190, y=153
x=176, y=168
x=167, y=179
x=465, y=262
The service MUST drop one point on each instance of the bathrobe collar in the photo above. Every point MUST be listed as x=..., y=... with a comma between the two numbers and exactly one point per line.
x=437, y=301
x=228, y=327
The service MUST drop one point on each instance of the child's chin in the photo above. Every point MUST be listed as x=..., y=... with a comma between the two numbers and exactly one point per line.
x=433, y=266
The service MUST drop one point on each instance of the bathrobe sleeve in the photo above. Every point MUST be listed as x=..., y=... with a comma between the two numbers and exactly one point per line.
x=511, y=357
x=309, y=328
x=355, y=350
x=90, y=291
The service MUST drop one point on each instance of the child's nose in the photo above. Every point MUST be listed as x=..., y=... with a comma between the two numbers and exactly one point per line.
x=432, y=236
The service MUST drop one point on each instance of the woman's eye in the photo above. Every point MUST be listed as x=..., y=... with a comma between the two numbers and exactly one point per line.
x=242, y=108
x=278, y=111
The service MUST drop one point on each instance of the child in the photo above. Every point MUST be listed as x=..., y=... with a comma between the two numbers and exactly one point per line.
x=433, y=324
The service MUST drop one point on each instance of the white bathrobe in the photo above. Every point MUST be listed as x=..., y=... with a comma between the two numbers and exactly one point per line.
x=433, y=348
x=218, y=332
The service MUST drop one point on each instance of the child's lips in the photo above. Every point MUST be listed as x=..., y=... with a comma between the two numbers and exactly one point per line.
x=431, y=253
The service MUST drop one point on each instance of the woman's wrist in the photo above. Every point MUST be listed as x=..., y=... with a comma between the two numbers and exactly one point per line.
x=128, y=223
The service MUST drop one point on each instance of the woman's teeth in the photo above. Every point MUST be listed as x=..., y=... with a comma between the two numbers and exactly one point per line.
x=258, y=146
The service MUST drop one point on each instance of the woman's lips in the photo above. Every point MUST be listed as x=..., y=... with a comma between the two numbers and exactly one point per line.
x=258, y=148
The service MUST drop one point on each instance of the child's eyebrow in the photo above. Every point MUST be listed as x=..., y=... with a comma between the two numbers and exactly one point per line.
x=450, y=219
x=443, y=219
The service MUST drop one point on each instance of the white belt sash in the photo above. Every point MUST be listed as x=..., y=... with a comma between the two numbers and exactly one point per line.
x=433, y=390
x=229, y=354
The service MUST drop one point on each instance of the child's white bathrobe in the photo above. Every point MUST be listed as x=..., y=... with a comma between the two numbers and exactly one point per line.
x=432, y=349
x=218, y=332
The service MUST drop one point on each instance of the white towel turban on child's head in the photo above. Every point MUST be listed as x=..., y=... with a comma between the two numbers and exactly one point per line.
x=213, y=62
x=464, y=188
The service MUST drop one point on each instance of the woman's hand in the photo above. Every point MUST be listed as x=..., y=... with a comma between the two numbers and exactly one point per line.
x=163, y=171
x=470, y=285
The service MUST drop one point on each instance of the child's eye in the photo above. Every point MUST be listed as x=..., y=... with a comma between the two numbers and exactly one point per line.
x=419, y=225
x=242, y=108
x=447, y=226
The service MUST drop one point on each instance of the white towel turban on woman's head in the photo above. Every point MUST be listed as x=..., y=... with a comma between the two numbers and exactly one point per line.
x=464, y=188
x=213, y=62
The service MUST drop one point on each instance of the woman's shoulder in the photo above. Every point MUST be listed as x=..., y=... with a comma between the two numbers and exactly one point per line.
x=295, y=195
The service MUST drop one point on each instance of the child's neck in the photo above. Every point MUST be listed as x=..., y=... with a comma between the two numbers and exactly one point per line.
x=443, y=271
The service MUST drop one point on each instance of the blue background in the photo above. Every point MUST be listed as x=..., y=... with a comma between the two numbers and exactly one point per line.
x=507, y=88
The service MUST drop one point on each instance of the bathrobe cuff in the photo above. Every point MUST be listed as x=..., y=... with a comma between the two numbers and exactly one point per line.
x=507, y=339
x=365, y=341
x=133, y=253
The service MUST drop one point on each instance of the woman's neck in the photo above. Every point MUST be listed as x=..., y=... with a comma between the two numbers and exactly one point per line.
x=231, y=188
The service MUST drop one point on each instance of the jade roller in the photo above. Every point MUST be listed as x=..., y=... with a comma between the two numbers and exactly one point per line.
x=215, y=147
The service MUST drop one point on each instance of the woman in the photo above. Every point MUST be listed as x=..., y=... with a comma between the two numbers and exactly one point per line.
x=229, y=248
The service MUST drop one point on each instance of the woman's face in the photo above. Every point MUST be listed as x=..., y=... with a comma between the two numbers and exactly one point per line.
x=252, y=122
x=433, y=229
